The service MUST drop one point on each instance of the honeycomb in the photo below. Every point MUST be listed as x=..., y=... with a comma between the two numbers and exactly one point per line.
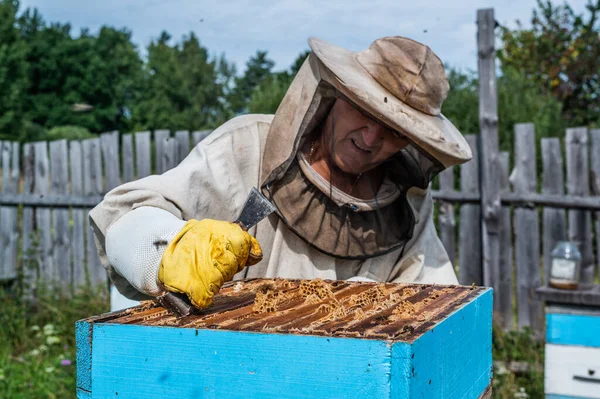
x=317, y=307
x=317, y=287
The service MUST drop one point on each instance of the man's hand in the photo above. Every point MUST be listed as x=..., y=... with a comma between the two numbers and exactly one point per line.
x=204, y=255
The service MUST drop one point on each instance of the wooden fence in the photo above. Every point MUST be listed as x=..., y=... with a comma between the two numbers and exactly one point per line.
x=530, y=222
x=499, y=226
x=48, y=188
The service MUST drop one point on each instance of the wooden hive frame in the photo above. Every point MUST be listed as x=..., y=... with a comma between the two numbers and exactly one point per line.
x=296, y=338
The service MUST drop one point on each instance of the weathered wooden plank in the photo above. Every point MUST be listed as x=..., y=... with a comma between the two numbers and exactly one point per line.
x=503, y=276
x=469, y=252
x=142, y=154
x=198, y=136
x=585, y=295
x=488, y=122
x=595, y=165
x=128, y=156
x=78, y=233
x=169, y=155
x=524, y=200
x=5, y=149
x=29, y=265
x=110, y=155
x=92, y=185
x=41, y=186
x=9, y=231
x=160, y=138
x=554, y=220
x=51, y=200
x=60, y=217
x=446, y=219
x=183, y=144
x=527, y=252
x=578, y=180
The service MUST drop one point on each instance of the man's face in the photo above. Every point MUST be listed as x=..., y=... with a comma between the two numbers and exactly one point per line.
x=360, y=143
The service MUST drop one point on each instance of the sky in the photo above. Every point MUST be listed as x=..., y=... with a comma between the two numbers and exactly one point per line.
x=238, y=28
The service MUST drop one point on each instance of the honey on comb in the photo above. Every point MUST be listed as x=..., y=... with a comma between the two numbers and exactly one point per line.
x=317, y=307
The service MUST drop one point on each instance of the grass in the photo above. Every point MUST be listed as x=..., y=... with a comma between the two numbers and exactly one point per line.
x=37, y=348
x=37, y=342
x=522, y=347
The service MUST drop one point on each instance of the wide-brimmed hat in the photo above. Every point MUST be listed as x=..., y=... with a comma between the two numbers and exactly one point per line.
x=403, y=84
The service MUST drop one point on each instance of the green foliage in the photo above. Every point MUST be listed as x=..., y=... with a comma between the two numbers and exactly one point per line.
x=522, y=101
x=69, y=133
x=101, y=71
x=37, y=342
x=258, y=69
x=268, y=94
x=519, y=101
x=560, y=54
x=517, y=346
x=183, y=87
x=13, y=78
x=462, y=105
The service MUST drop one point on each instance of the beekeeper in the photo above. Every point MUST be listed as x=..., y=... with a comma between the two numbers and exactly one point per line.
x=347, y=160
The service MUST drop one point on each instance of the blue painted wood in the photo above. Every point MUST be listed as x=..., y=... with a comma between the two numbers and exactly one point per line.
x=158, y=362
x=83, y=359
x=548, y=396
x=454, y=359
x=572, y=329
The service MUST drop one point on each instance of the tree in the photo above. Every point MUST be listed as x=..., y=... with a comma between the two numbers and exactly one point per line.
x=13, y=75
x=101, y=71
x=268, y=94
x=183, y=87
x=258, y=69
x=561, y=54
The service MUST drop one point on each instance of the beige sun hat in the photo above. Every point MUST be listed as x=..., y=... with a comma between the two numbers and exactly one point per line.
x=402, y=83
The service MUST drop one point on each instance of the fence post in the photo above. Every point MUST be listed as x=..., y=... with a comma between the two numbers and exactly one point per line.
x=60, y=217
x=488, y=154
x=446, y=218
x=29, y=264
x=595, y=151
x=128, y=156
x=469, y=252
x=143, y=161
x=42, y=215
x=553, y=180
x=110, y=154
x=9, y=233
x=79, y=218
x=183, y=145
x=578, y=182
x=92, y=185
x=160, y=138
x=527, y=251
x=503, y=298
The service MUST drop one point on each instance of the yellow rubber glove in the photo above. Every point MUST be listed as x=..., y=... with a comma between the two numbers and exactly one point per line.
x=204, y=255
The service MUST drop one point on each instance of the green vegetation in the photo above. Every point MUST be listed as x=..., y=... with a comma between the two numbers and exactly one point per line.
x=52, y=77
x=518, y=365
x=37, y=342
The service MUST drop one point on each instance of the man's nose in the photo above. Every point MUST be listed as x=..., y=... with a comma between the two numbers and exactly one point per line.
x=372, y=134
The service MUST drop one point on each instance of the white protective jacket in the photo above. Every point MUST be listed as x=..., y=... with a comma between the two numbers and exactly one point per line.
x=316, y=233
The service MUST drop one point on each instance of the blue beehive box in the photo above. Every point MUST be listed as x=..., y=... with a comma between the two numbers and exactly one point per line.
x=275, y=338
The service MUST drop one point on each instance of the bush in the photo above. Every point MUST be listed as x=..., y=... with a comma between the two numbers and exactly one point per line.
x=69, y=133
x=37, y=342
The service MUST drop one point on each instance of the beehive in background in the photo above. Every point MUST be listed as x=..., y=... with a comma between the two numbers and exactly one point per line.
x=276, y=338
